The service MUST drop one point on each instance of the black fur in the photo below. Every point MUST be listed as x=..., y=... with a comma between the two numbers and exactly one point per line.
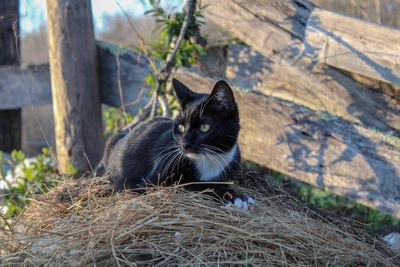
x=144, y=155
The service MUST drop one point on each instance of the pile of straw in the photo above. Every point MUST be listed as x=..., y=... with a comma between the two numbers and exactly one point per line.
x=85, y=222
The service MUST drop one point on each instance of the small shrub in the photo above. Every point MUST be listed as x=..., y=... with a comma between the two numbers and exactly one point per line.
x=21, y=177
x=115, y=119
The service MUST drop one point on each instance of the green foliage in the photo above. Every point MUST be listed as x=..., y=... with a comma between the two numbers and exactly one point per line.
x=21, y=177
x=170, y=25
x=115, y=119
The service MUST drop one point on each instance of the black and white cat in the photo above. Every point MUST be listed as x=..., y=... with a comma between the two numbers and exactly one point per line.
x=200, y=145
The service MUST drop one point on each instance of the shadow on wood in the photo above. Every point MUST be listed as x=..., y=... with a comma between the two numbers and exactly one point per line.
x=277, y=30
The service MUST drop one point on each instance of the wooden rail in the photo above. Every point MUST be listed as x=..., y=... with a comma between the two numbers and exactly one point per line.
x=30, y=85
x=299, y=52
x=354, y=45
x=10, y=119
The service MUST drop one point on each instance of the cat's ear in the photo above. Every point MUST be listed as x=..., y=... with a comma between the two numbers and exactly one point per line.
x=222, y=94
x=183, y=93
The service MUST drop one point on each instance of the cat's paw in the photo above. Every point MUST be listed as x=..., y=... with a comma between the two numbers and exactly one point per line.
x=243, y=202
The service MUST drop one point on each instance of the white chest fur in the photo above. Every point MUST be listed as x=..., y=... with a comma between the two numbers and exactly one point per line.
x=211, y=166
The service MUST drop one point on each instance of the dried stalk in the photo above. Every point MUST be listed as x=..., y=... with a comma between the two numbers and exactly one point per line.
x=170, y=60
x=162, y=100
x=142, y=114
x=121, y=95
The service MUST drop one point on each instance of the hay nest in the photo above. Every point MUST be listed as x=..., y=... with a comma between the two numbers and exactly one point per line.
x=84, y=222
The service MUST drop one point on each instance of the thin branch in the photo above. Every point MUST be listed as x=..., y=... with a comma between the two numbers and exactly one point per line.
x=154, y=105
x=121, y=96
x=138, y=98
x=170, y=61
x=164, y=105
x=142, y=114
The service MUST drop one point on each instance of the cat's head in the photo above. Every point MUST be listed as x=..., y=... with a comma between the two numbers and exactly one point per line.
x=206, y=121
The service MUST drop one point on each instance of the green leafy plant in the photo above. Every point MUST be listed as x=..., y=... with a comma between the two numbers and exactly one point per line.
x=21, y=177
x=170, y=24
x=114, y=119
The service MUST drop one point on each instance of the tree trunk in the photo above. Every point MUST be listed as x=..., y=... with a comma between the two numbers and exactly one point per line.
x=74, y=80
x=10, y=120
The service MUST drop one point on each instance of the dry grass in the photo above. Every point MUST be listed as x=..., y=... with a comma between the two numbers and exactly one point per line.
x=85, y=222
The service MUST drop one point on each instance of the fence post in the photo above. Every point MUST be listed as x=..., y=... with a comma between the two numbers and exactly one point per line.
x=10, y=120
x=74, y=80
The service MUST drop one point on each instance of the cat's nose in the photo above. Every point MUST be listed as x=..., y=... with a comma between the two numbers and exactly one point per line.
x=185, y=146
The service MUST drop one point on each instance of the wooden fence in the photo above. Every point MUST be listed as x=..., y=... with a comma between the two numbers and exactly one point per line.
x=10, y=119
x=322, y=98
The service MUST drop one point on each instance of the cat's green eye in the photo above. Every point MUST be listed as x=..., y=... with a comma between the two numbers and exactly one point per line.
x=205, y=127
x=181, y=128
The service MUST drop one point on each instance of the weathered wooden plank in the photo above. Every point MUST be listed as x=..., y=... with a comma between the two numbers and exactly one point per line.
x=30, y=85
x=24, y=87
x=9, y=29
x=252, y=70
x=10, y=120
x=328, y=152
x=128, y=78
x=74, y=82
x=276, y=29
x=354, y=45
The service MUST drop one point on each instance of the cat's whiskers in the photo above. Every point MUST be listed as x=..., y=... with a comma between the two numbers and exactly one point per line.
x=172, y=160
x=203, y=154
x=220, y=161
x=167, y=160
x=222, y=158
x=216, y=150
x=161, y=155
x=216, y=160
x=167, y=156
x=223, y=165
x=160, y=161
x=204, y=159
x=177, y=162
x=211, y=164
